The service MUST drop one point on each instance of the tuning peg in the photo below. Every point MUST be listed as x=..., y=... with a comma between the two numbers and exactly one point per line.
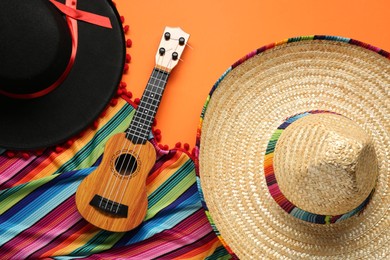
x=182, y=41
x=175, y=55
x=167, y=36
x=161, y=51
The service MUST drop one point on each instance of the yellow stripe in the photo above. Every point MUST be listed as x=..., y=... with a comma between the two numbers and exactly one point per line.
x=167, y=172
x=56, y=161
x=11, y=200
x=77, y=243
x=174, y=193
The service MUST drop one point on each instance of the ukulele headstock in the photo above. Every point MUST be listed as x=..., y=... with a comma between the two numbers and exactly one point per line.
x=172, y=44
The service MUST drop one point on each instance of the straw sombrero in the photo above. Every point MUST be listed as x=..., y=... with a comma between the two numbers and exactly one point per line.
x=293, y=151
x=61, y=63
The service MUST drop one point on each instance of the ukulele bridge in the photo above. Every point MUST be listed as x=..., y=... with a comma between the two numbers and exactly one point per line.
x=109, y=206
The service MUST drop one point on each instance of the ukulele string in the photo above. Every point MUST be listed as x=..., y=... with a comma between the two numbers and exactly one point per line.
x=112, y=176
x=157, y=86
x=159, y=80
x=122, y=150
x=135, y=154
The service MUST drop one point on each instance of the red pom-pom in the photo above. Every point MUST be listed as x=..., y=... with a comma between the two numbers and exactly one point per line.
x=59, y=149
x=157, y=132
x=126, y=28
x=123, y=84
x=186, y=146
x=69, y=143
x=82, y=133
x=166, y=147
x=125, y=68
x=103, y=114
x=25, y=155
x=154, y=122
x=129, y=43
x=129, y=94
x=114, y=102
x=10, y=154
x=39, y=152
x=128, y=58
x=122, y=19
x=178, y=145
x=119, y=92
x=158, y=138
x=137, y=101
x=161, y=146
x=95, y=125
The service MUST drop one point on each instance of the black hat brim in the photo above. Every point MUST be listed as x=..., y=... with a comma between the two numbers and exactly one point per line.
x=74, y=105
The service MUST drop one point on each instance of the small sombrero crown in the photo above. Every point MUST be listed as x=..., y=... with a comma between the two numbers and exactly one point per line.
x=325, y=164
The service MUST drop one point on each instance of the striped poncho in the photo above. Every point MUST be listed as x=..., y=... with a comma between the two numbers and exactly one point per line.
x=39, y=218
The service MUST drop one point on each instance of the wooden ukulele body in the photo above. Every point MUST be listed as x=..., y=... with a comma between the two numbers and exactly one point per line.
x=113, y=197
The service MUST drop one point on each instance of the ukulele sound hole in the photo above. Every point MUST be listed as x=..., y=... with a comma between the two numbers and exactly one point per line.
x=126, y=164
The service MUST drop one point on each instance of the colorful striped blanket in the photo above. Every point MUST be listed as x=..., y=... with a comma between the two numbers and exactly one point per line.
x=39, y=219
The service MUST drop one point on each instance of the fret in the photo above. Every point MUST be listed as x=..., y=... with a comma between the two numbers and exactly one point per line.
x=141, y=123
x=138, y=131
x=136, y=134
x=152, y=95
x=152, y=107
x=136, y=137
x=146, y=114
x=150, y=101
x=161, y=80
x=157, y=87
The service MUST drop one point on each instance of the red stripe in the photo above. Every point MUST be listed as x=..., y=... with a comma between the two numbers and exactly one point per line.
x=39, y=233
x=186, y=232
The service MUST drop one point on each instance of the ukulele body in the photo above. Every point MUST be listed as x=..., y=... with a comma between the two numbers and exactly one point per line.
x=113, y=197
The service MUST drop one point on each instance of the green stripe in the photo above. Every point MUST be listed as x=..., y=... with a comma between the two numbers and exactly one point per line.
x=13, y=196
x=87, y=156
x=219, y=253
x=172, y=188
x=274, y=139
x=101, y=241
x=300, y=38
x=170, y=183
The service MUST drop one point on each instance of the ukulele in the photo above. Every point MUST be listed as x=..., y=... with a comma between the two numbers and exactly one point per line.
x=113, y=197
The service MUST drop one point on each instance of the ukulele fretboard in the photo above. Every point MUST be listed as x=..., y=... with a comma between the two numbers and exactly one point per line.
x=140, y=126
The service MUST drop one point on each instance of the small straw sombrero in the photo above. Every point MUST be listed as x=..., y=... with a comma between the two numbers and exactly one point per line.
x=293, y=153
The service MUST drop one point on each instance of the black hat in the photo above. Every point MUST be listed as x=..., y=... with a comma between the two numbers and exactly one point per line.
x=60, y=65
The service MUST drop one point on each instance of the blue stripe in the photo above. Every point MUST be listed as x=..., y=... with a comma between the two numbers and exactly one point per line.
x=171, y=183
x=164, y=220
x=20, y=218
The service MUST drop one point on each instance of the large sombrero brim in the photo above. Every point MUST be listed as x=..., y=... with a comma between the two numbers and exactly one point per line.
x=78, y=101
x=244, y=109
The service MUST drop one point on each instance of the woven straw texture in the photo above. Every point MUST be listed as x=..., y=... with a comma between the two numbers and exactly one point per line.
x=325, y=164
x=244, y=109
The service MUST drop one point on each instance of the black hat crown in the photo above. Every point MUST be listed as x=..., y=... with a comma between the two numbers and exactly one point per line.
x=37, y=47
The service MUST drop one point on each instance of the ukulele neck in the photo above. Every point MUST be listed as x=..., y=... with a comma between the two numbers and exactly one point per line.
x=141, y=124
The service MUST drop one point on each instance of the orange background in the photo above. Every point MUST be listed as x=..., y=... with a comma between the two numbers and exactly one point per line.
x=224, y=31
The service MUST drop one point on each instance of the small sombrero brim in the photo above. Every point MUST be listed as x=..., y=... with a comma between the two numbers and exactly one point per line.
x=245, y=107
x=78, y=101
